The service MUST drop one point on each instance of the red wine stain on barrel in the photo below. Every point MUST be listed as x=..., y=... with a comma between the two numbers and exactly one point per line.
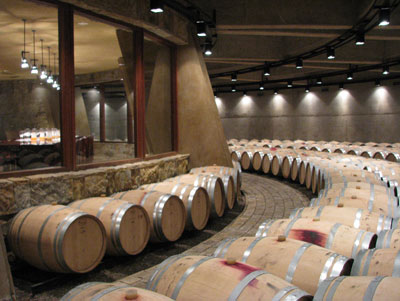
x=273, y=148
x=244, y=269
x=314, y=237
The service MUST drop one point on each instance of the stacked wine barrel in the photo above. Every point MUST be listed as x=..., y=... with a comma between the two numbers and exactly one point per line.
x=74, y=238
x=353, y=220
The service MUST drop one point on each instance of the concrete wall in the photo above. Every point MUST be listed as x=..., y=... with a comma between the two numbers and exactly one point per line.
x=27, y=104
x=360, y=112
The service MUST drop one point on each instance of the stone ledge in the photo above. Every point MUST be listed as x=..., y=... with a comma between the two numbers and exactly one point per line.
x=62, y=188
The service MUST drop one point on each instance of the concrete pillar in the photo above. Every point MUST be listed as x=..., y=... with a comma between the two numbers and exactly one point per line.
x=200, y=129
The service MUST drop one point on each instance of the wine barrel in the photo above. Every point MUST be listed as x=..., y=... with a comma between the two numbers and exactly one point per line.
x=266, y=162
x=276, y=164
x=257, y=160
x=287, y=162
x=359, y=288
x=302, y=171
x=389, y=208
x=100, y=291
x=246, y=160
x=127, y=225
x=57, y=238
x=235, y=155
x=389, y=239
x=377, y=262
x=213, y=185
x=222, y=170
x=195, y=199
x=166, y=212
x=380, y=155
x=393, y=157
x=209, y=278
x=340, y=238
x=295, y=167
x=353, y=217
x=303, y=264
x=229, y=186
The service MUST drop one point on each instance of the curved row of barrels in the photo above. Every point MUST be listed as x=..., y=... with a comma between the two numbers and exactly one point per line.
x=74, y=238
x=381, y=151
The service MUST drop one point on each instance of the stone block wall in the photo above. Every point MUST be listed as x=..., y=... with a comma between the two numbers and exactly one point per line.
x=63, y=188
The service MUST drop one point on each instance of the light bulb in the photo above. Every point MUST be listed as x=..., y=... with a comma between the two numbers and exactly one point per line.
x=34, y=70
x=50, y=79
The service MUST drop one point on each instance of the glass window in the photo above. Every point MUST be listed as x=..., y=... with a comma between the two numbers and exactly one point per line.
x=158, y=119
x=103, y=91
x=29, y=91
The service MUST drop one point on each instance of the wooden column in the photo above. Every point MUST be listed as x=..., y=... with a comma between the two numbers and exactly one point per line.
x=7, y=291
x=67, y=96
x=102, y=114
x=174, y=101
x=138, y=87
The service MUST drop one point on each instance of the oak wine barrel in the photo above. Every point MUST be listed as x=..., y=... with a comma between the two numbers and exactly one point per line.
x=377, y=262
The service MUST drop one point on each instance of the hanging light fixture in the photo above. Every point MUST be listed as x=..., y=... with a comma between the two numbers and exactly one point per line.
x=55, y=84
x=34, y=69
x=234, y=77
x=330, y=53
x=201, y=28
x=244, y=93
x=50, y=76
x=233, y=88
x=43, y=72
x=307, y=89
x=350, y=76
x=289, y=84
x=319, y=81
x=267, y=71
x=156, y=6
x=24, y=61
x=299, y=63
x=377, y=83
x=384, y=16
x=385, y=70
x=360, y=38
x=261, y=86
x=208, y=48
x=341, y=86
x=276, y=91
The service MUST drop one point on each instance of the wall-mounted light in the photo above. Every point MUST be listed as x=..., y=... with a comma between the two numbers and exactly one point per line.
x=276, y=91
x=360, y=38
x=377, y=83
x=233, y=88
x=350, y=76
x=384, y=16
x=24, y=61
x=261, y=86
x=34, y=69
x=319, y=81
x=156, y=6
x=289, y=84
x=299, y=63
x=330, y=53
x=385, y=70
x=267, y=71
x=234, y=77
x=201, y=28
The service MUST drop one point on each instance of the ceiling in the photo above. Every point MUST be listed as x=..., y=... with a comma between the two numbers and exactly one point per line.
x=251, y=32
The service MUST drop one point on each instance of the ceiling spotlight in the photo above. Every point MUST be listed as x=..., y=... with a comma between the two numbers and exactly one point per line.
x=156, y=6
x=275, y=91
x=289, y=84
x=319, y=81
x=341, y=86
x=233, y=88
x=267, y=71
x=360, y=38
x=377, y=83
x=330, y=53
x=261, y=86
x=307, y=89
x=234, y=77
x=349, y=75
x=385, y=70
x=24, y=61
x=201, y=29
x=208, y=48
x=384, y=16
x=299, y=63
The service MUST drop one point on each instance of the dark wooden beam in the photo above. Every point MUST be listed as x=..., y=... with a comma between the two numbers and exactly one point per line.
x=67, y=95
x=139, y=92
x=102, y=114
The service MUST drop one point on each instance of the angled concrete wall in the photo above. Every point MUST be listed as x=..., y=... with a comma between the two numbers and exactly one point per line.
x=200, y=128
x=361, y=112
